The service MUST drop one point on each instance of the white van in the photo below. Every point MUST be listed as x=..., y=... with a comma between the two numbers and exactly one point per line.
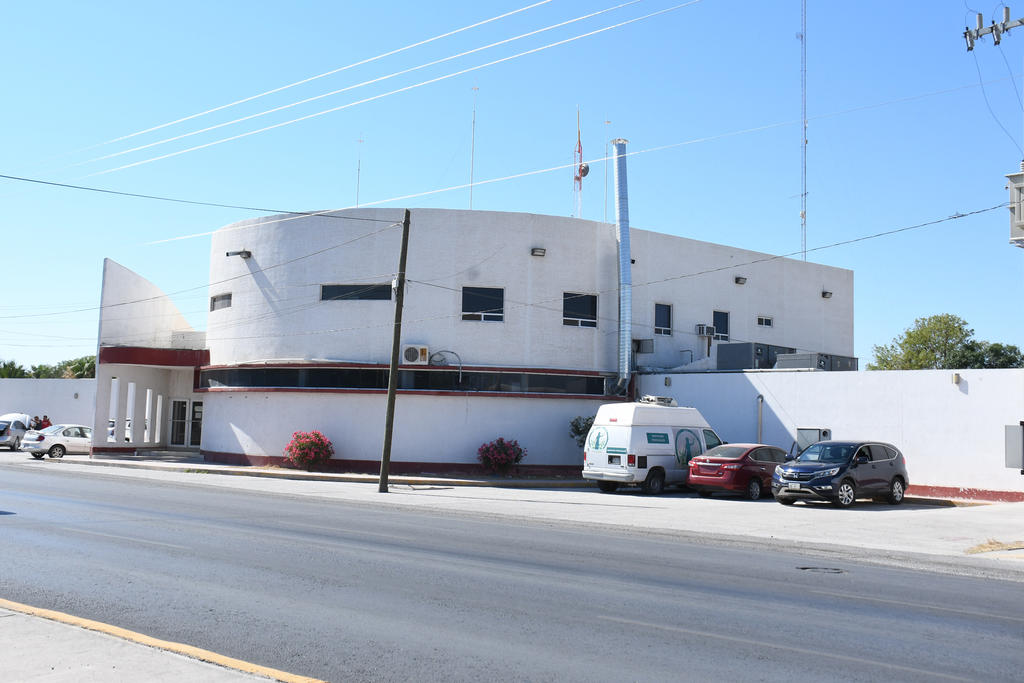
x=647, y=444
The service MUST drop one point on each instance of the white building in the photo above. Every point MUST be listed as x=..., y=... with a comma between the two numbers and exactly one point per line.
x=511, y=323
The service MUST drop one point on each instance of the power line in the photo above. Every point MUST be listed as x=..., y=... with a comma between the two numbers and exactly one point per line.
x=392, y=92
x=357, y=85
x=326, y=73
x=174, y=199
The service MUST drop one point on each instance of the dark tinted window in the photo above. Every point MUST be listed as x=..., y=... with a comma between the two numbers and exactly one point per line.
x=483, y=303
x=220, y=301
x=720, y=319
x=421, y=380
x=18, y=425
x=662, y=319
x=778, y=455
x=879, y=452
x=352, y=292
x=711, y=439
x=579, y=310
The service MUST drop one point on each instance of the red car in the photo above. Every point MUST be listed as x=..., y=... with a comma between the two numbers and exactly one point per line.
x=745, y=468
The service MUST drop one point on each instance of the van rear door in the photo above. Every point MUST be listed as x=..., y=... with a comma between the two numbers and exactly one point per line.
x=607, y=448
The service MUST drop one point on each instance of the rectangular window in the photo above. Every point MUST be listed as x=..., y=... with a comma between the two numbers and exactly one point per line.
x=720, y=319
x=764, y=320
x=662, y=319
x=353, y=292
x=579, y=310
x=486, y=304
x=220, y=301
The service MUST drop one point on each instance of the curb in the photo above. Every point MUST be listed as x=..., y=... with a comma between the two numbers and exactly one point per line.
x=417, y=481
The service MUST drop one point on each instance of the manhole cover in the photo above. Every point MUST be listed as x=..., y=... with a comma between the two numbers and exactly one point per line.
x=822, y=570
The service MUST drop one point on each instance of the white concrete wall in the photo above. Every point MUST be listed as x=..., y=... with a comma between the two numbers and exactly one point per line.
x=427, y=428
x=135, y=312
x=276, y=313
x=63, y=400
x=952, y=434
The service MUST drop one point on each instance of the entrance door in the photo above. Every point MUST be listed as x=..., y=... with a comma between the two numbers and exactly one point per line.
x=179, y=423
x=195, y=431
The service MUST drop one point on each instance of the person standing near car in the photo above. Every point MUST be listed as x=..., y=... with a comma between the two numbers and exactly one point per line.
x=45, y=423
x=36, y=423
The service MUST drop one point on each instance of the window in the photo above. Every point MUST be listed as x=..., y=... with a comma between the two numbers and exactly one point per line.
x=764, y=320
x=352, y=292
x=711, y=439
x=662, y=319
x=486, y=304
x=220, y=301
x=720, y=319
x=579, y=310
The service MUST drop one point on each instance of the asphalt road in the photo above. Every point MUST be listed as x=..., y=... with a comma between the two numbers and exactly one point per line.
x=342, y=590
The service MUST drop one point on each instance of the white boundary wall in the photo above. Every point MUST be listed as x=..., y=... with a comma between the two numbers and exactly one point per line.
x=63, y=400
x=952, y=434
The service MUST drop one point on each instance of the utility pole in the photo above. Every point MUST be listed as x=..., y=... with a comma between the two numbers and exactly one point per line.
x=389, y=419
x=997, y=30
x=1016, y=180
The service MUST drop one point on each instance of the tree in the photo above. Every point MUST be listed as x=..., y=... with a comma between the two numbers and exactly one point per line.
x=943, y=342
x=78, y=368
x=11, y=370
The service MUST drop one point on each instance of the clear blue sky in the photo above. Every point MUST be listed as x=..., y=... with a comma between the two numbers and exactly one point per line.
x=899, y=134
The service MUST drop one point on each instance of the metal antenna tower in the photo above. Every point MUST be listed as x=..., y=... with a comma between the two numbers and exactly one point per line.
x=472, y=149
x=803, y=118
x=580, y=171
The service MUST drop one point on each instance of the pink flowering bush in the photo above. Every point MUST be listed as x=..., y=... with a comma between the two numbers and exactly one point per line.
x=308, y=450
x=500, y=456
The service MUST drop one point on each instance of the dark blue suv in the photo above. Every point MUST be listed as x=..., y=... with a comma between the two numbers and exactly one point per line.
x=841, y=472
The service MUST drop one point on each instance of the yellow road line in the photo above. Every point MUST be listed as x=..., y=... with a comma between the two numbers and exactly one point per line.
x=179, y=648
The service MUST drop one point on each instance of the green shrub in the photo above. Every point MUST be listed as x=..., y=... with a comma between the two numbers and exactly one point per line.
x=500, y=456
x=579, y=427
x=308, y=450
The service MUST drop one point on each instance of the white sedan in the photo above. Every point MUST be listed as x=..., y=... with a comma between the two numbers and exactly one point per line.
x=57, y=440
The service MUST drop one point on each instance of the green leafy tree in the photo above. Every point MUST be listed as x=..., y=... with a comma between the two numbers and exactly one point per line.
x=78, y=368
x=943, y=342
x=11, y=370
x=579, y=427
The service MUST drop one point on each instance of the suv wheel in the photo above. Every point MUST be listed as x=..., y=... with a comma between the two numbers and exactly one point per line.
x=896, y=491
x=655, y=483
x=845, y=494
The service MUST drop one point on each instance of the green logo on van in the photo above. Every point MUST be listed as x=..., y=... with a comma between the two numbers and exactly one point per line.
x=598, y=439
x=687, y=445
x=657, y=437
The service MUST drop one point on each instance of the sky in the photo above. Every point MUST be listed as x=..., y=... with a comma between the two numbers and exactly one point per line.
x=906, y=129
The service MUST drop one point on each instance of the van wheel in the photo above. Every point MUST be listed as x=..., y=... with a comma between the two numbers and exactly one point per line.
x=754, y=490
x=654, y=485
x=607, y=486
x=896, y=491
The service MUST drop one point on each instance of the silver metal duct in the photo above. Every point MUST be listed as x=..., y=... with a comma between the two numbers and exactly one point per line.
x=625, y=262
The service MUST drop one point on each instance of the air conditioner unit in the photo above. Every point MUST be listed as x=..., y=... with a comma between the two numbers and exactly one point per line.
x=415, y=354
x=705, y=330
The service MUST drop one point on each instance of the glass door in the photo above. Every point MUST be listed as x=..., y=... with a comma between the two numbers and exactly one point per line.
x=179, y=423
x=196, y=426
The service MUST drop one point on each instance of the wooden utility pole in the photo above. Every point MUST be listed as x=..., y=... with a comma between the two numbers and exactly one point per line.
x=389, y=420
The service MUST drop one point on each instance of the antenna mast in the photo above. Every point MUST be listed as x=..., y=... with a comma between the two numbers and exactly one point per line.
x=580, y=171
x=803, y=119
x=472, y=149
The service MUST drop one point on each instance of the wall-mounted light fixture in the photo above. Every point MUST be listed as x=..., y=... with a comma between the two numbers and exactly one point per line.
x=244, y=253
x=956, y=378
x=825, y=294
x=538, y=251
x=740, y=280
